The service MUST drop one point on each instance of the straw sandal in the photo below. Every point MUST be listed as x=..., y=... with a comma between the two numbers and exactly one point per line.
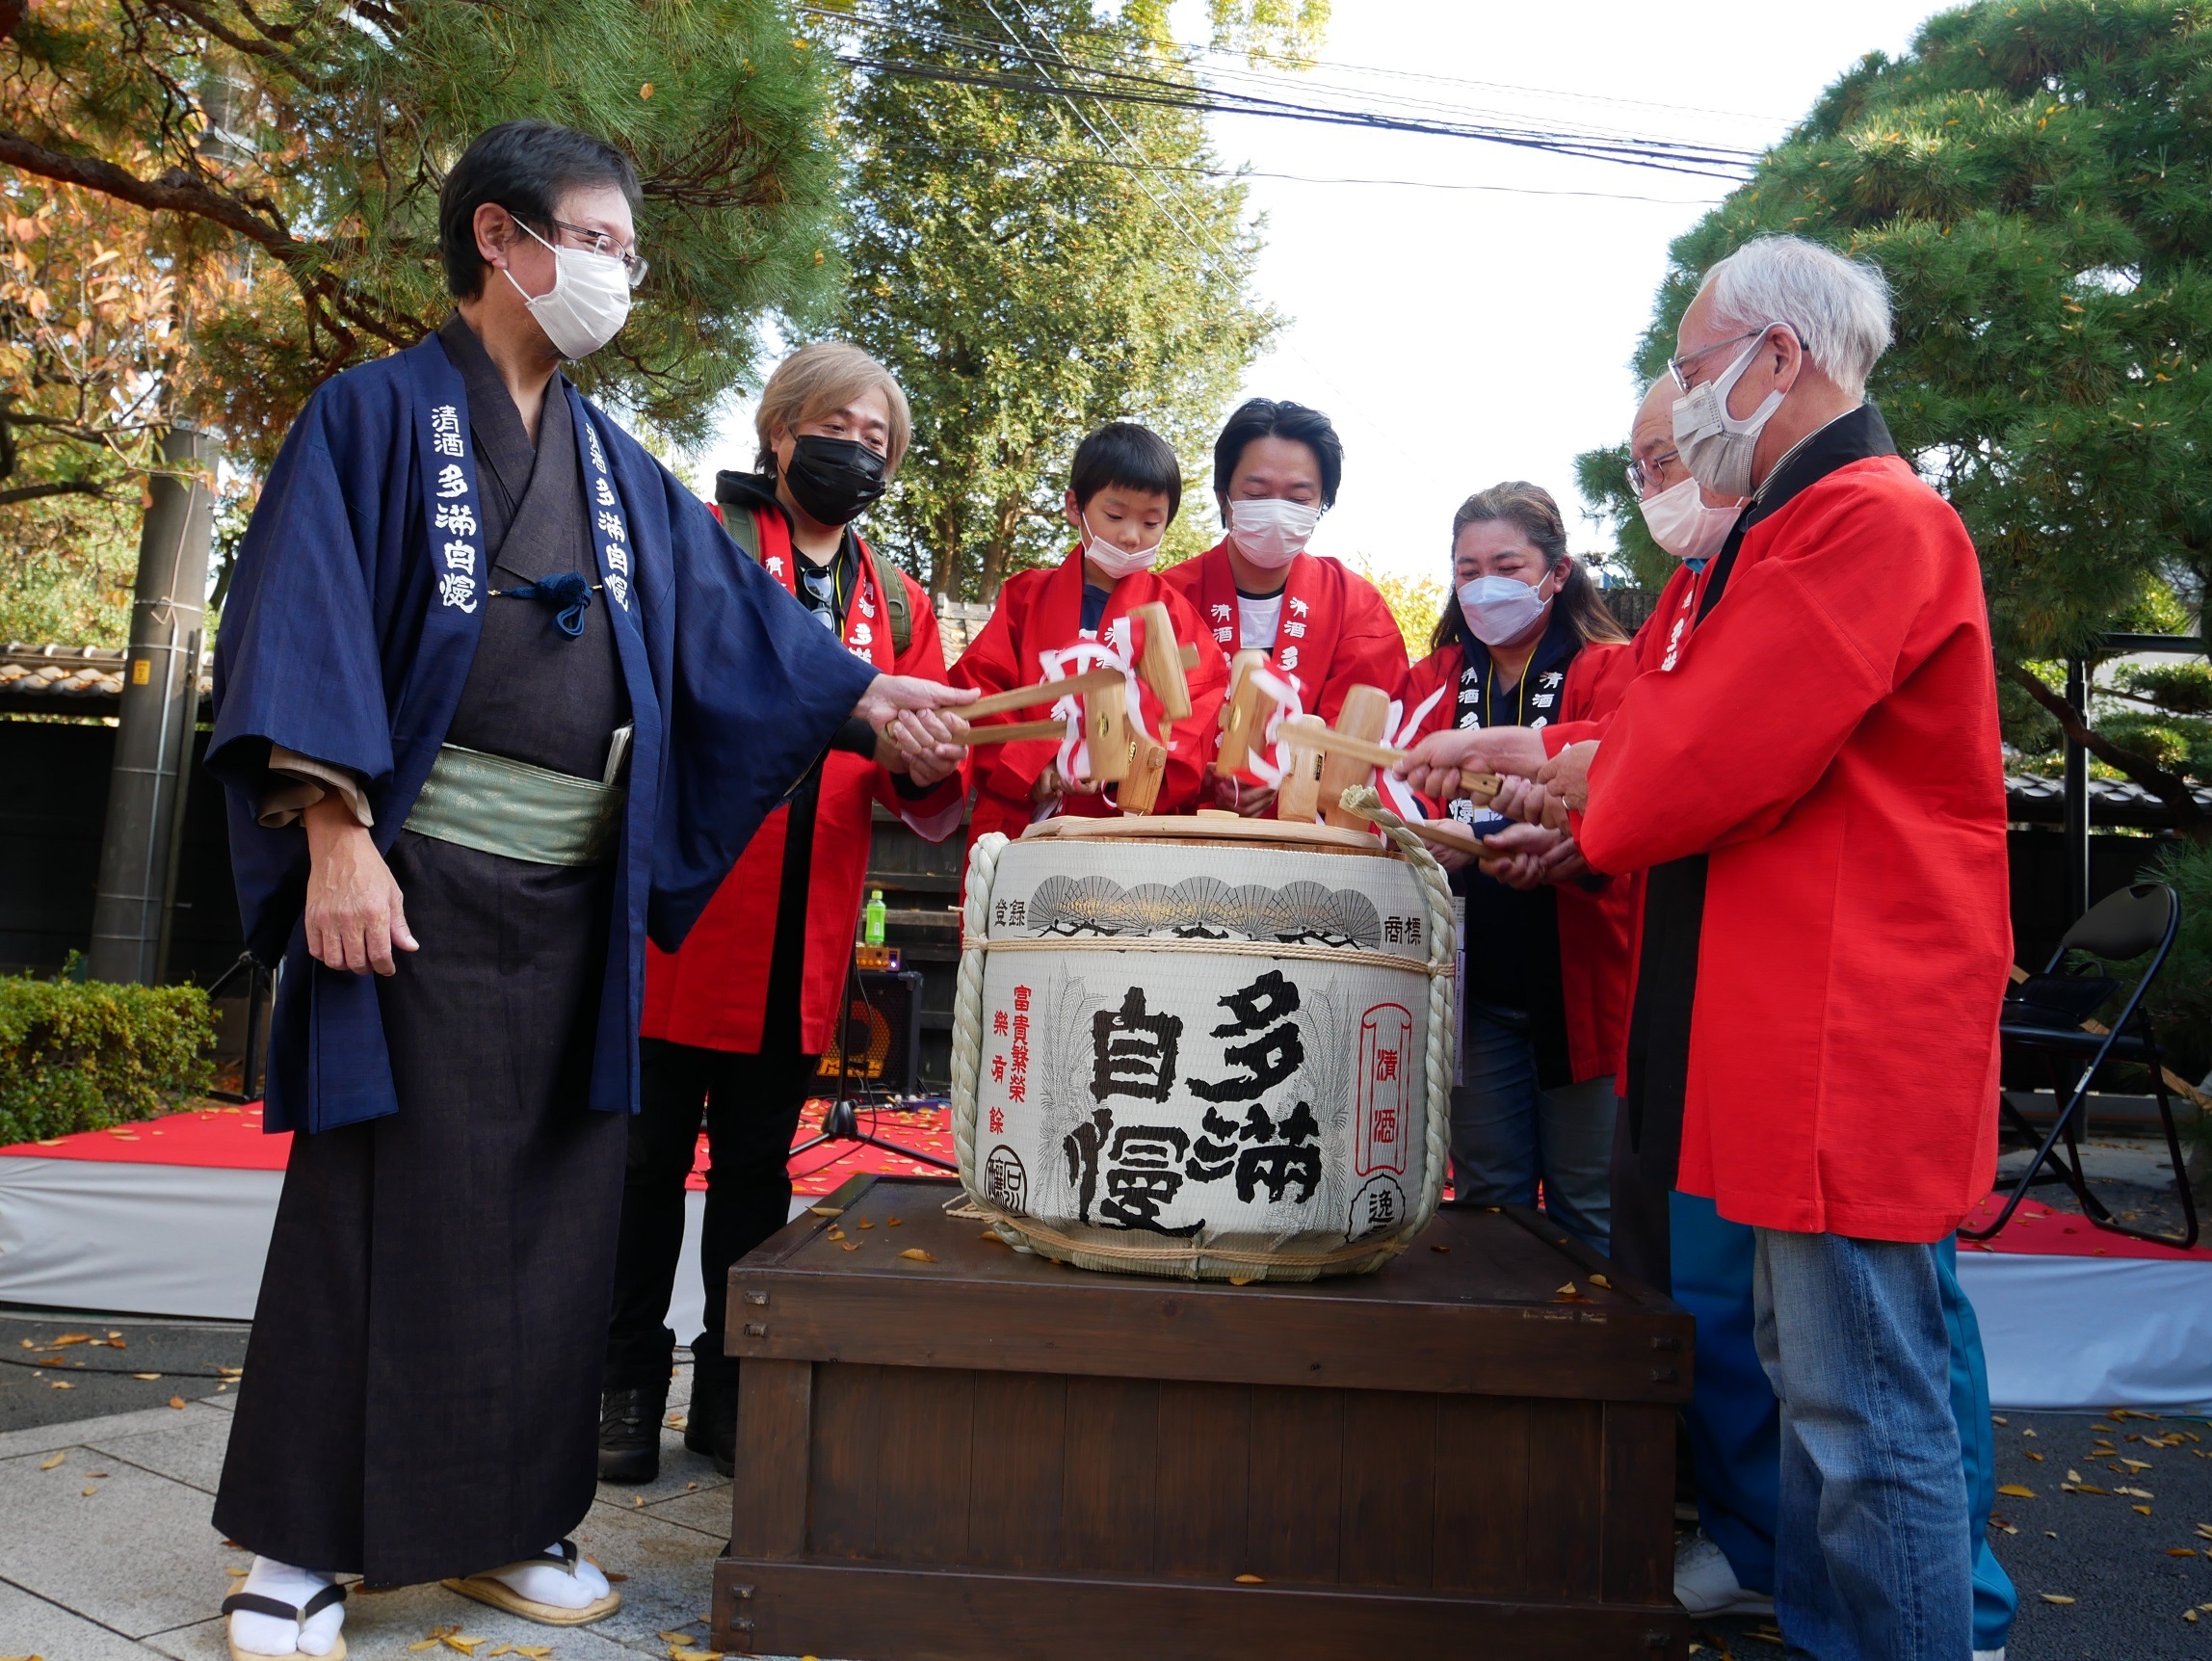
x=254, y=1603
x=501, y=1595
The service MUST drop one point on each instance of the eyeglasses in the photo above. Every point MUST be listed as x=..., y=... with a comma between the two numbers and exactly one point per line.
x=1644, y=475
x=1679, y=367
x=588, y=241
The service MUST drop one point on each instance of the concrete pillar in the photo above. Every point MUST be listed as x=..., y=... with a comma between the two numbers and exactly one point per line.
x=161, y=702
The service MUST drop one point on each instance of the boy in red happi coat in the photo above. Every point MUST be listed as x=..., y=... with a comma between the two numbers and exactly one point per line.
x=1325, y=628
x=1124, y=490
x=738, y=1019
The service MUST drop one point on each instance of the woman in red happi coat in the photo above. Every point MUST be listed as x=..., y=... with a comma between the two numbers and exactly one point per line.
x=737, y=1022
x=1528, y=642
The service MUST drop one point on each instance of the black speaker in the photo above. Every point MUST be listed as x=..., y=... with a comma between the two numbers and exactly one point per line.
x=882, y=1034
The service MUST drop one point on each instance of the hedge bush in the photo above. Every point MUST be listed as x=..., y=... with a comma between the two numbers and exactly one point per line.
x=81, y=1055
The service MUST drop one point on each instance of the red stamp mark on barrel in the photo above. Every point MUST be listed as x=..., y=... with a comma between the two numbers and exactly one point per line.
x=1387, y=1064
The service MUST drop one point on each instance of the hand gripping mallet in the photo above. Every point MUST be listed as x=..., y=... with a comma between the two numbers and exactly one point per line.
x=1161, y=665
x=1309, y=740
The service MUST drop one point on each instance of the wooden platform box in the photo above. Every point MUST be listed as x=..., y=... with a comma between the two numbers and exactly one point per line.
x=979, y=1454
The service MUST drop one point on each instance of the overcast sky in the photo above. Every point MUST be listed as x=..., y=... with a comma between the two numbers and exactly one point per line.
x=1481, y=331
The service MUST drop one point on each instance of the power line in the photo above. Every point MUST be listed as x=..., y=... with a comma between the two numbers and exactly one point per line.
x=1314, y=179
x=1011, y=70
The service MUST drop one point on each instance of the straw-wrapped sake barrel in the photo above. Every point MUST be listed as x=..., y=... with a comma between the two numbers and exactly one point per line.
x=1205, y=1048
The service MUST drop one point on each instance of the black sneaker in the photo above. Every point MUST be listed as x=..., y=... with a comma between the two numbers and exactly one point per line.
x=630, y=1434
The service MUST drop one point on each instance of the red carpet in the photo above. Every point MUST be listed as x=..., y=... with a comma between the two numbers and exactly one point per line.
x=231, y=1138
x=2037, y=1231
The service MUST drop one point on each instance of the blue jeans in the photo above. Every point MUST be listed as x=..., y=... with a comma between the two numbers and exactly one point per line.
x=1507, y=1131
x=1735, y=1422
x=1872, y=1541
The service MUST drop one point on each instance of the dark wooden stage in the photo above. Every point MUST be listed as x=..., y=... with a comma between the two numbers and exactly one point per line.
x=988, y=1455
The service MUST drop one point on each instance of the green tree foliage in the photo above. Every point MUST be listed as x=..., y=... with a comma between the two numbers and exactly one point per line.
x=2032, y=177
x=1030, y=266
x=282, y=163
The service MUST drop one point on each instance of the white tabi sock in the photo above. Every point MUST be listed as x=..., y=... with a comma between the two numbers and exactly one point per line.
x=550, y=1583
x=272, y=1635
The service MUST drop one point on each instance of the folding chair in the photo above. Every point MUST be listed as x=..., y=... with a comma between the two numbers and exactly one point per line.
x=2045, y=1014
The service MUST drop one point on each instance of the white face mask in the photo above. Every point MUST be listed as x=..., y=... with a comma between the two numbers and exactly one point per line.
x=1117, y=562
x=587, y=303
x=1499, y=609
x=1715, y=446
x=1680, y=522
x=1271, y=533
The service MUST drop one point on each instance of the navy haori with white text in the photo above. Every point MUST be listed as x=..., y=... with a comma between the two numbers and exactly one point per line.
x=1214, y=1045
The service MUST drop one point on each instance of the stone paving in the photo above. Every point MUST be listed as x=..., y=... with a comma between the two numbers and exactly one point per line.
x=107, y=1554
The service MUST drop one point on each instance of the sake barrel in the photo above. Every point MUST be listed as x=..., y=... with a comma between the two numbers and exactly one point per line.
x=1206, y=1047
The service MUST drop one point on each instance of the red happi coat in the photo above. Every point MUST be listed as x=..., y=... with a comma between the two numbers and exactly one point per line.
x=1041, y=611
x=1828, y=734
x=1594, y=921
x=1336, y=630
x=714, y=991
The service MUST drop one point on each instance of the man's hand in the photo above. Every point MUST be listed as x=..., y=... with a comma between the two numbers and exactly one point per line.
x=905, y=709
x=1565, y=781
x=1564, y=864
x=1432, y=765
x=1052, y=782
x=355, y=919
x=1515, y=854
x=1450, y=855
x=1519, y=799
x=928, y=770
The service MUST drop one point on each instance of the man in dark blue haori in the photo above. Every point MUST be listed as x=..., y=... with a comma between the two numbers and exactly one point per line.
x=497, y=698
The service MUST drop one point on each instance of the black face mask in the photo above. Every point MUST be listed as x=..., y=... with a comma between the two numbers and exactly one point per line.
x=834, y=480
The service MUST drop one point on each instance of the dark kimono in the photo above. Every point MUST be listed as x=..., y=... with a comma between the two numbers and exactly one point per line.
x=422, y=1387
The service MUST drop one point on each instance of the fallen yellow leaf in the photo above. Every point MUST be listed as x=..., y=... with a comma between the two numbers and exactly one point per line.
x=1242, y=1280
x=176, y=1401
x=894, y=1221
x=2181, y=1551
x=826, y=1211
x=677, y=1638
x=1567, y=1291
x=2032, y=1454
x=849, y=1246
x=917, y=1255
x=836, y=1234
x=2016, y=1490
x=49, y=1464
x=867, y=1223
x=2144, y=1509
x=70, y=1339
x=2054, y=1597
x=1249, y=1580
x=145, y=1374
x=89, y=1491
x=62, y=1385
x=1601, y=1281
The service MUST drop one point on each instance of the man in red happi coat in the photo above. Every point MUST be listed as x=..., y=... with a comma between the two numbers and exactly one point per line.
x=738, y=1019
x=1816, y=788
x=1325, y=628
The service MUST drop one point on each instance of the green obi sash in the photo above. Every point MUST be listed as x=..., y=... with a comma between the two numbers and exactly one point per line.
x=516, y=811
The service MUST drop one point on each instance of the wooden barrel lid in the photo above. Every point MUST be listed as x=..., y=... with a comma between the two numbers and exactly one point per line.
x=1213, y=826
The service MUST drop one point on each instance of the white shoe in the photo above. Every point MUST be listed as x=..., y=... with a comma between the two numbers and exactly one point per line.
x=1706, y=1581
x=1997, y=1654
x=280, y=1611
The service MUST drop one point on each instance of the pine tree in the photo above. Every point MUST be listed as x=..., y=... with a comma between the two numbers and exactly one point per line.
x=2033, y=177
x=1033, y=263
x=281, y=162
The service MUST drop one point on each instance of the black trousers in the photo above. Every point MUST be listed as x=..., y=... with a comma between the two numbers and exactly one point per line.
x=751, y=1106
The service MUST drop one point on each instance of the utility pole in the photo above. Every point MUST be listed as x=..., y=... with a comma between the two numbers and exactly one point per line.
x=160, y=707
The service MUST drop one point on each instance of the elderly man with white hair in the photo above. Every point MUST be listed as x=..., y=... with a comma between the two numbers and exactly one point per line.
x=1814, y=786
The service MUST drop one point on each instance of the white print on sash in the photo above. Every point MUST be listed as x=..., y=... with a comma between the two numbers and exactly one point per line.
x=452, y=515
x=610, y=523
x=1297, y=607
x=445, y=431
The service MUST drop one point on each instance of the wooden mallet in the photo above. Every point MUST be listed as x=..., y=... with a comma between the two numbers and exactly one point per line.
x=1310, y=739
x=1113, y=744
x=1244, y=712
